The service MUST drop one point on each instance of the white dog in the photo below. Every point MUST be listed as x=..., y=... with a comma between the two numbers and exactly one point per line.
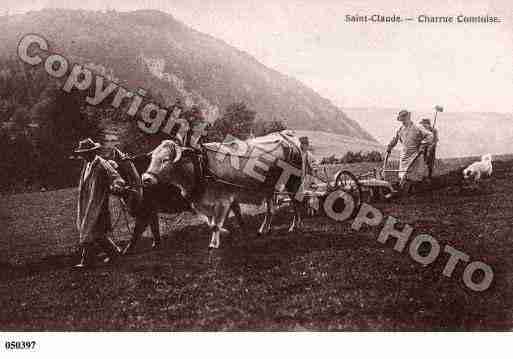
x=479, y=169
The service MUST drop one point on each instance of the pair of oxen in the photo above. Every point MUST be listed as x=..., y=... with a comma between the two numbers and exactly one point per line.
x=211, y=182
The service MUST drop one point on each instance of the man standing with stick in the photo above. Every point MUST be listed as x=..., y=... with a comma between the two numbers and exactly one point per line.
x=414, y=139
x=430, y=154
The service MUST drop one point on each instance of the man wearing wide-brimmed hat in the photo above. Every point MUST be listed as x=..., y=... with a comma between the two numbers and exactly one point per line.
x=430, y=154
x=196, y=121
x=307, y=175
x=414, y=139
x=306, y=164
x=93, y=216
x=306, y=155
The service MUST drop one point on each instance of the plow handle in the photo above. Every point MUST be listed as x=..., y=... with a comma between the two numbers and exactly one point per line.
x=385, y=161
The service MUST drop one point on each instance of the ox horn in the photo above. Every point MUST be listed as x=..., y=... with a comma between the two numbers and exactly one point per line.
x=178, y=155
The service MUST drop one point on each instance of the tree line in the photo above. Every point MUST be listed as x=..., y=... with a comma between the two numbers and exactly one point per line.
x=353, y=157
x=40, y=125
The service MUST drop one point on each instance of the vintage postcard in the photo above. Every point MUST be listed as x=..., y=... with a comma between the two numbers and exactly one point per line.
x=255, y=166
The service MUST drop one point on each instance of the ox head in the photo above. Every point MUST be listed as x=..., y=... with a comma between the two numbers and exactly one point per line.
x=162, y=160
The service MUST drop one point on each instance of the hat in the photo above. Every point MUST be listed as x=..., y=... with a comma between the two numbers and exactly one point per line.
x=87, y=145
x=195, y=110
x=178, y=103
x=402, y=113
x=196, y=113
x=426, y=121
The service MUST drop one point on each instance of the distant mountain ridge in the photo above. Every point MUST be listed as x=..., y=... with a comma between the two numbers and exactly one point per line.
x=152, y=50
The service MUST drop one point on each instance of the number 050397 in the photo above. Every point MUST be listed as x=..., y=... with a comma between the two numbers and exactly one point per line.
x=15, y=345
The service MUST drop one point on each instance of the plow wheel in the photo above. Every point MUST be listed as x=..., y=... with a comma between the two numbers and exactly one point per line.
x=347, y=182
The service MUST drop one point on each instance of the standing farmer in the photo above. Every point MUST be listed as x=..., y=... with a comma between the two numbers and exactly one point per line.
x=93, y=216
x=414, y=139
x=430, y=154
x=306, y=157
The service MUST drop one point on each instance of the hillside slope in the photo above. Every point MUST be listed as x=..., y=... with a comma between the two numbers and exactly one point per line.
x=153, y=50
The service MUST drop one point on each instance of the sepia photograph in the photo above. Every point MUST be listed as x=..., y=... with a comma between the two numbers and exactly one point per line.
x=255, y=166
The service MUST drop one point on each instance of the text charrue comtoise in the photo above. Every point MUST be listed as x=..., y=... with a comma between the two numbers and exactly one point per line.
x=377, y=18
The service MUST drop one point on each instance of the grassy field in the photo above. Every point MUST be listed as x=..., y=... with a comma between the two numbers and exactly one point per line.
x=326, y=277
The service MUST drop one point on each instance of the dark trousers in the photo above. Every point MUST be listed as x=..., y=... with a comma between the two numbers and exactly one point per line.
x=429, y=158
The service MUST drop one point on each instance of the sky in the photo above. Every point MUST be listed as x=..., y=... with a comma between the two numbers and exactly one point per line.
x=463, y=67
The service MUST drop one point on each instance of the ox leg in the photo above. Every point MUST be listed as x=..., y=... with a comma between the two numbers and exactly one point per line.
x=270, y=213
x=405, y=187
x=140, y=225
x=214, y=239
x=262, y=226
x=265, y=227
x=390, y=193
x=297, y=221
x=221, y=211
x=155, y=230
x=237, y=212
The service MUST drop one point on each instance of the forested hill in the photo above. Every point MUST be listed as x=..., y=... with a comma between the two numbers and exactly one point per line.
x=152, y=50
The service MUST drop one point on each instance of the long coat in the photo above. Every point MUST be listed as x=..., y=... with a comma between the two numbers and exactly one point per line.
x=411, y=165
x=93, y=216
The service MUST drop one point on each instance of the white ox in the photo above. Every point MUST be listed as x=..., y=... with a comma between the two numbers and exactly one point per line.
x=239, y=172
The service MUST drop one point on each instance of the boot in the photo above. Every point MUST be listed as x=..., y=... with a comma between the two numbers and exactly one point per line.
x=112, y=250
x=87, y=257
x=156, y=244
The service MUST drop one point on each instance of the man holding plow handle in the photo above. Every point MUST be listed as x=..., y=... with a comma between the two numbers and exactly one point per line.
x=414, y=140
